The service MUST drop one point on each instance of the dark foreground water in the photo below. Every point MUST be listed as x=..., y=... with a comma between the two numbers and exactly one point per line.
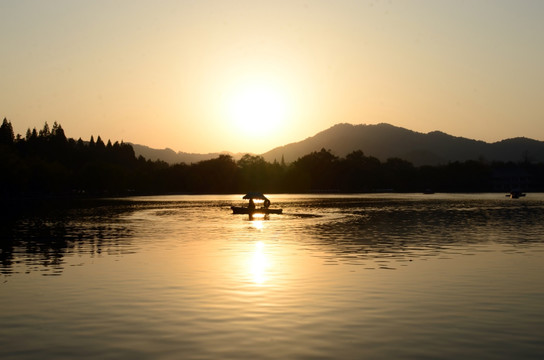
x=335, y=277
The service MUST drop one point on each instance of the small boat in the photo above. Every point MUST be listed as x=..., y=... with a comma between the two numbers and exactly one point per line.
x=516, y=194
x=245, y=210
x=251, y=209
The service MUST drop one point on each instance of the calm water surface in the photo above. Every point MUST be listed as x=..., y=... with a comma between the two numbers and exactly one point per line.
x=336, y=277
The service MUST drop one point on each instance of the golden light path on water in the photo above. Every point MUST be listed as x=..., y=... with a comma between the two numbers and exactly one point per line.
x=259, y=261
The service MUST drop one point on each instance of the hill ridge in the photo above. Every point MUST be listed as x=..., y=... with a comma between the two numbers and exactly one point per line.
x=382, y=141
x=385, y=141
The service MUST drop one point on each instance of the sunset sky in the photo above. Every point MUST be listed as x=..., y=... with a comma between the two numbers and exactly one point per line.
x=247, y=76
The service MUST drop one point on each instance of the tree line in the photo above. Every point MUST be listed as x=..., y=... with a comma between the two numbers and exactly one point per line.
x=46, y=162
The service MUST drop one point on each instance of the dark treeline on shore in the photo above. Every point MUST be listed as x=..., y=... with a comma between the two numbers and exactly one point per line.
x=47, y=163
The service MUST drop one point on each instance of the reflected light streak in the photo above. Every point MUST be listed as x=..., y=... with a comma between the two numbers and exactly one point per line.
x=257, y=224
x=258, y=264
x=257, y=221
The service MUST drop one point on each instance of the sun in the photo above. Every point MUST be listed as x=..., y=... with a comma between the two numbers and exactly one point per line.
x=257, y=109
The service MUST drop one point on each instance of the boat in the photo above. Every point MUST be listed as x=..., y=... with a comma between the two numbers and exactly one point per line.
x=245, y=210
x=516, y=194
x=251, y=209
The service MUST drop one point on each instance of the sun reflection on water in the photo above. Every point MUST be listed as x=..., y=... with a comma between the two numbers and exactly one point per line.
x=257, y=224
x=258, y=264
x=257, y=221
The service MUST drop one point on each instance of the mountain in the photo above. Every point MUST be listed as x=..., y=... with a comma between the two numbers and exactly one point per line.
x=382, y=141
x=386, y=141
x=171, y=157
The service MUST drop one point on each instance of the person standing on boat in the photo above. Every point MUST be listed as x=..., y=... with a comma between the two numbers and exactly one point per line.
x=251, y=205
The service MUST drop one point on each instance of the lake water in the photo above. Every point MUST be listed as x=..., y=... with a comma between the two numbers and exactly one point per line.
x=379, y=276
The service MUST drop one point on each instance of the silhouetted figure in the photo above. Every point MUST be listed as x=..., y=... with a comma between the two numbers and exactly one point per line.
x=251, y=205
x=266, y=204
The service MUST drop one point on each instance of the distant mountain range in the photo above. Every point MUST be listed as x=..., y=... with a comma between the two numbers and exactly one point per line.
x=383, y=141
x=172, y=157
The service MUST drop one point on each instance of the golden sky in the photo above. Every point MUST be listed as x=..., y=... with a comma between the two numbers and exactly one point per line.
x=247, y=76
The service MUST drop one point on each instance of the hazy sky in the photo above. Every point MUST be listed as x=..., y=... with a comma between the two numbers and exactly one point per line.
x=206, y=76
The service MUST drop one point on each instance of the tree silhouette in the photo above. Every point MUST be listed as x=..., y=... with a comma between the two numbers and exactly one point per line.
x=48, y=163
x=314, y=172
x=6, y=133
x=359, y=173
x=253, y=172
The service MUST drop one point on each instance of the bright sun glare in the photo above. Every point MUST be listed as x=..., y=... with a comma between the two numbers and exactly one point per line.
x=258, y=109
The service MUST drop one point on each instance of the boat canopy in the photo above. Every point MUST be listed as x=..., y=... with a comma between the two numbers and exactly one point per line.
x=255, y=195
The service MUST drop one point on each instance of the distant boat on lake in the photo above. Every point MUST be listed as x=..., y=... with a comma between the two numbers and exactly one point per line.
x=252, y=209
x=515, y=194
